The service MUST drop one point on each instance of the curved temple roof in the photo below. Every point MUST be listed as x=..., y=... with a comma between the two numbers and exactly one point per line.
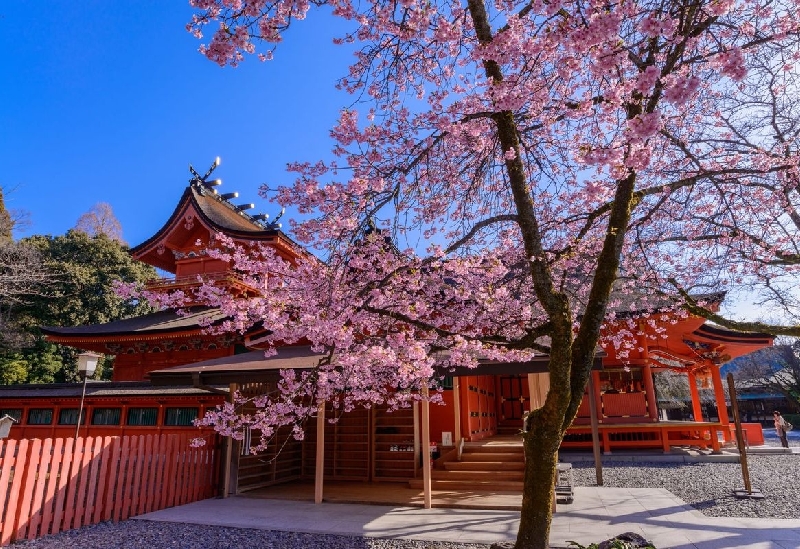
x=161, y=322
x=216, y=215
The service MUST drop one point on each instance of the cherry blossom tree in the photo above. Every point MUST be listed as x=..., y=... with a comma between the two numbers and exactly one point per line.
x=509, y=176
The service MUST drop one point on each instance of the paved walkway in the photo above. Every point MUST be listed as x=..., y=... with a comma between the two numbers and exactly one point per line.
x=598, y=513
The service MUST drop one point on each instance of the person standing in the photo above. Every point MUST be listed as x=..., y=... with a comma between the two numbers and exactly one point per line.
x=780, y=428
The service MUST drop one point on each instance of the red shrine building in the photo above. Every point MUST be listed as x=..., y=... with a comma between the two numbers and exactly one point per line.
x=168, y=370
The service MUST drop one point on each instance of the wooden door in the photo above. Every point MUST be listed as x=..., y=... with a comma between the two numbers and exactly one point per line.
x=512, y=397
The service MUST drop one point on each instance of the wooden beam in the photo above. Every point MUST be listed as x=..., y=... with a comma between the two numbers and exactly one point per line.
x=319, y=471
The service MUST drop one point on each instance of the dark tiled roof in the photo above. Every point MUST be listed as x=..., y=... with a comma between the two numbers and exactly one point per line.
x=224, y=216
x=252, y=366
x=716, y=332
x=96, y=389
x=154, y=323
x=218, y=214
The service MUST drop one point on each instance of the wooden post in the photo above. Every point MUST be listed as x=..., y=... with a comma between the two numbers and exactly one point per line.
x=227, y=459
x=319, y=470
x=598, y=461
x=739, y=435
x=533, y=391
x=457, y=412
x=598, y=401
x=426, y=447
x=722, y=407
x=650, y=391
x=417, y=444
x=697, y=410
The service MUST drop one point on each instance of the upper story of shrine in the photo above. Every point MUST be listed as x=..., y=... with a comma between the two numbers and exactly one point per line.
x=181, y=246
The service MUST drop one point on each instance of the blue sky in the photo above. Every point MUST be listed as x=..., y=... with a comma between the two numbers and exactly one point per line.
x=109, y=101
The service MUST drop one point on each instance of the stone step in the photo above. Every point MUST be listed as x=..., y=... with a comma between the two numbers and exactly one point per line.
x=473, y=485
x=484, y=465
x=493, y=456
x=477, y=476
x=493, y=448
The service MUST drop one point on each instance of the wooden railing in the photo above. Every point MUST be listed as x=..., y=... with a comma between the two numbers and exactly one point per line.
x=172, y=283
x=51, y=485
x=624, y=405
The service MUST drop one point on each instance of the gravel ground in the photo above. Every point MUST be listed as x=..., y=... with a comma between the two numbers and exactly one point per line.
x=706, y=486
x=140, y=534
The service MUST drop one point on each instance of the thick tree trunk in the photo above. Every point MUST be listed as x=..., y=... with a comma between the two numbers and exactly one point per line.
x=537, y=493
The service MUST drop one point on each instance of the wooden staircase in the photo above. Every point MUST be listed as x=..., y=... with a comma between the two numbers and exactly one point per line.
x=509, y=428
x=493, y=464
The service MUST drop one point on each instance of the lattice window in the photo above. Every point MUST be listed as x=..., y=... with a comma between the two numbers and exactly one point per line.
x=15, y=413
x=40, y=416
x=69, y=416
x=180, y=416
x=142, y=416
x=106, y=416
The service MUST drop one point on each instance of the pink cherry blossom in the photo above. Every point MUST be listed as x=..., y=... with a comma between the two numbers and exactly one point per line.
x=518, y=177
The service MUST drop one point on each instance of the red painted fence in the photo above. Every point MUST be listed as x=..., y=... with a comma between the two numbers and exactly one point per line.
x=51, y=485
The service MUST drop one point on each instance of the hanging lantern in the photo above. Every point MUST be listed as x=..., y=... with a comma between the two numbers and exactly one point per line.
x=704, y=376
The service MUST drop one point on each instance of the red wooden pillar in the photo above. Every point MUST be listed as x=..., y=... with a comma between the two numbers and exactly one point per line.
x=722, y=407
x=650, y=391
x=457, y=434
x=697, y=410
x=598, y=400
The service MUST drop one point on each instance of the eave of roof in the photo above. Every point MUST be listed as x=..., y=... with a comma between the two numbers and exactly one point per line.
x=718, y=333
x=168, y=321
x=244, y=367
x=217, y=215
x=97, y=389
x=255, y=367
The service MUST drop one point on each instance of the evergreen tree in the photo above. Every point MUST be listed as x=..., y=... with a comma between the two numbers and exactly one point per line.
x=83, y=270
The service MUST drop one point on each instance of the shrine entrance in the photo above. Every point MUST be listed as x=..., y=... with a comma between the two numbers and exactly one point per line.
x=514, y=402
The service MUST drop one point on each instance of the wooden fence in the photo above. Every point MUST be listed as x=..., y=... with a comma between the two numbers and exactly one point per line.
x=51, y=485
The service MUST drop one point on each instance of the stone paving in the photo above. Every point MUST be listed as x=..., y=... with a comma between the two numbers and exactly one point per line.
x=597, y=513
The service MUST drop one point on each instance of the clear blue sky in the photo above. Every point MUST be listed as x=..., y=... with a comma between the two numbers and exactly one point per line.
x=109, y=101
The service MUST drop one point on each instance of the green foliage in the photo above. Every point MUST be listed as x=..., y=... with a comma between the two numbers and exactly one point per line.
x=83, y=270
x=14, y=369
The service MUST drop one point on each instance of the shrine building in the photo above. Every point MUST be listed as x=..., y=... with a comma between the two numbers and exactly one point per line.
x=168, y=370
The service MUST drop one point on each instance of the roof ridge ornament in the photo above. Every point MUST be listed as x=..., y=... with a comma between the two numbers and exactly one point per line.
x=206, y=186
x=202, y=182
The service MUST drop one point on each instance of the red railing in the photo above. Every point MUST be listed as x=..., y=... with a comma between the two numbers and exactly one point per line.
x=51, y=485
x=624, y=405
x=194, y=279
